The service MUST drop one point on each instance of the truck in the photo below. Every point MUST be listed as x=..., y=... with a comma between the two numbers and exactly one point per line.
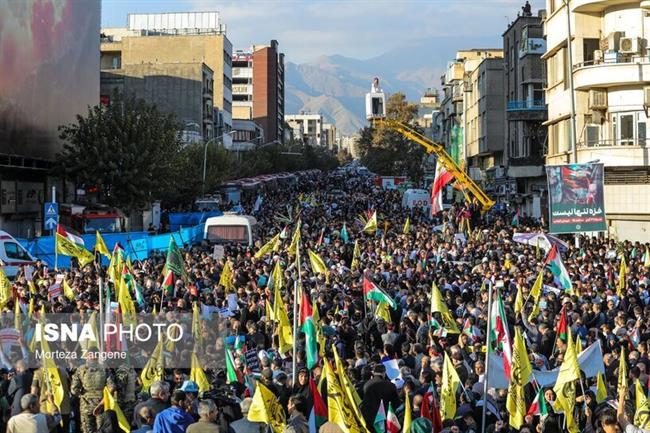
x=91, y=218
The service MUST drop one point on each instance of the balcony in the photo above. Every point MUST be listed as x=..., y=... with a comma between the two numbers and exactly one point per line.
x=527, y=105
x=616, y=71
x=583, y=6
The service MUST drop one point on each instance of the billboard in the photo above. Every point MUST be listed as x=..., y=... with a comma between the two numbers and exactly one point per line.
x=576, y=198
x=49, y=71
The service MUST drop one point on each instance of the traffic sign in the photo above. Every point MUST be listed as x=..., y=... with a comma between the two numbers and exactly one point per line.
x=50, y=215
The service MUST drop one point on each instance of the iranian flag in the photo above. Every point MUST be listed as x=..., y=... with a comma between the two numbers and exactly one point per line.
x=372, y=292
x=318, y=414
x=499, y=333
x=232, y=374
x=69, y=236
x=539, y=404
x=562, y=326
x=429, y=409
x=308, y=327
x=555, y=265
x=443, y=177
x=392, y=423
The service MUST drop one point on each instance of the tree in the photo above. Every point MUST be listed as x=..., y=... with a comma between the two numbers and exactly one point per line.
x=387, y=152
x=129, y=150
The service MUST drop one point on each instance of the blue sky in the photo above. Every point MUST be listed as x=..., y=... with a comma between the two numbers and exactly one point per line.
x=355, y=28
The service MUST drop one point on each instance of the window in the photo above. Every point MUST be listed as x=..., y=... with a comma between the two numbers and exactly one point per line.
x=592, y=135
x=626, y=122
x=589, y=45
x=628, y=128
x=15, y=251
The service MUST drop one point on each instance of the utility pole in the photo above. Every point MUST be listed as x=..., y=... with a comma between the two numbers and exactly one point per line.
x=574, y=140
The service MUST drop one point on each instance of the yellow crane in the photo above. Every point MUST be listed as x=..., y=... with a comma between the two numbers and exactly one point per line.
x=376, y=113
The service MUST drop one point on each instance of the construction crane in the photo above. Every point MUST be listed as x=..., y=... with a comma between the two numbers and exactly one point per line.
x=376, y=113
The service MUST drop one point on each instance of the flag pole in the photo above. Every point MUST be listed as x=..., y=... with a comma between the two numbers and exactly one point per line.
x=56, y=250
x=487, y=355
x=101, y=316
x=296, y=285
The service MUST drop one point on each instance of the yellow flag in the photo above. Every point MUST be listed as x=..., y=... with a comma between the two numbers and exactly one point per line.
x=407, y=414
x=153, y=369
x=51, y=373
x=295, y=239
x=198, y=375
x=268, y=247
x=111, y=404
x=266, y=409
x=317, y=264
x=67, y=248
x=92, y=343
x=356, y=255
x=67, y=290
x=536, y=291
x=225, y=279
x=407, y=226
x=285, y=335
x=371, y=224
x=100, y=245
x=570, y=369
x=127, y=307
x=450, y=382
x=578, y=345
x=277, y=276
x=521, y=371
x=351, y=397
x=519, y=301
x=622, y=371
x=622, y=271
x=338, y=410
x=438, y=306
x=18, y=317
x=534, y=313
x=646, y=257
x=642, y=413
x=114, y=270
x=383, y=311
x=30, y=310
x=32, y=287
x=566, y=401
x=6, y=292
x=601, y=389
x=196, y=323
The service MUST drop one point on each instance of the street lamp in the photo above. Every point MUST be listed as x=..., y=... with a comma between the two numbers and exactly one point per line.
x=205, y=156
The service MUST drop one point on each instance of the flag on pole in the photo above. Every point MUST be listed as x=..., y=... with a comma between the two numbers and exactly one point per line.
x=519, y=301
x=285, y=334
x=232, y=375
x=538, y=407
x=407, y=414
x=6, y=291
x=266, y=409
x=372, y=292
x=642, y=412
x=268, y=247
x=371, y=225
x=407, y=226
x=225, y=279
x=174, y=261
x=562, y=326
x=111, y=404
x=646, y=257
x=570, y=369
x=66, y=247
x=622, y=273
x=317, y=264
x=439, y=306
x=308, y=327
x=380, y=419
x=69, y=236
x=450, y=382
x=500, y=335
x=392, y=423
x=154, y=368
x=318, y=415
x=443, y=177
x=344, y=234
x=521, y=370
x=560, y=275
x=515, y=219
x=356, y=255
x=622, y=371
x=295, y=239
x=100, y=245
x=601, y=389
x=198, y=375
x=51, y=372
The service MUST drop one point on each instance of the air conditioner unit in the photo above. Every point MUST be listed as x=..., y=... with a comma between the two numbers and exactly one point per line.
x=598, y=56
x=597, y=99
x=613, y=40
x=630, y=45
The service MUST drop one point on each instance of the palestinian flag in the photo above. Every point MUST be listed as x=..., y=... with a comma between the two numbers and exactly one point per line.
x=318, y=415
x=430, y=410
x=380, y=419
x=374, y=293
x=538, y=407
x=69, y=236
x=515, y=219
x=392, y=423
x=309, y=328
x=499, y=334
x=562, y=326
x=470, y=330
x=168, y=283
x=232, y=374
x=555, y=265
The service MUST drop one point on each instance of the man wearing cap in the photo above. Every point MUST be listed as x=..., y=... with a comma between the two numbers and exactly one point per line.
x=191, y=389
x=374, y=391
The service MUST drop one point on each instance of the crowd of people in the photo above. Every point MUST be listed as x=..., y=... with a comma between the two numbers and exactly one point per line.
x=404, y=262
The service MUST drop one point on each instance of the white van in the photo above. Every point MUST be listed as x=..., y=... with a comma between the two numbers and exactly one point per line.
x=230, y=228
x=13, y=255
x=416, y=198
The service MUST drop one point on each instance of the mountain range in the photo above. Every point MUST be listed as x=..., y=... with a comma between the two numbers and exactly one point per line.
x=335, y=85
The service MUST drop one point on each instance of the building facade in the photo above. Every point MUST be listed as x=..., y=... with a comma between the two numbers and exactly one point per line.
x=330, y=139
x=428, y=107
x=258, y=88
x=162, y=40
x=610, y=73
x=309, y=125
x=524, y=182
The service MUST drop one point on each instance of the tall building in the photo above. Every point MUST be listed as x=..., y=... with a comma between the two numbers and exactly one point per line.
x=258, y=88
x=309, y=125
x=610, y=73
x=162, y=41
x=524, y=181
x=49, y=58
x=428, y=106
x=450, y=121
x=329, y=138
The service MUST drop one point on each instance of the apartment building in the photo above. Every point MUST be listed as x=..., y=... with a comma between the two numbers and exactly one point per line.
x=525, y=136
x=307, y=127
x=151, y=48
x=258, y=88
x=609, y=69
x=330, y=137
x=428, y=107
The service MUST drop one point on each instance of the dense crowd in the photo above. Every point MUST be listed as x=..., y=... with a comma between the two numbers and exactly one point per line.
x=405, y=264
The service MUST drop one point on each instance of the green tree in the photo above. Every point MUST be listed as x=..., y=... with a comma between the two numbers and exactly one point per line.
x=130, y=150
x=387, y=152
